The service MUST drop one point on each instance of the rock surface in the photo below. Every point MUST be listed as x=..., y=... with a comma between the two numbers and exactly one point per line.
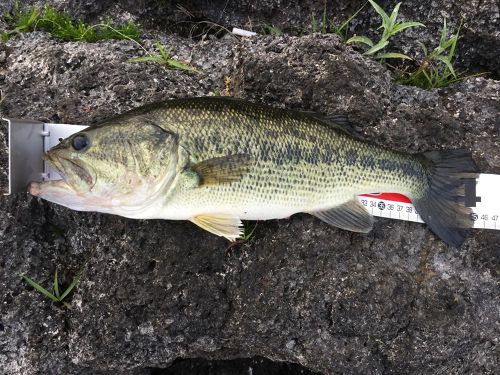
x=478, y=47
x=394, y=301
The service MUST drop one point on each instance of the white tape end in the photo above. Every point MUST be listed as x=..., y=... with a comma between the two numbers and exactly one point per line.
x=242, y=32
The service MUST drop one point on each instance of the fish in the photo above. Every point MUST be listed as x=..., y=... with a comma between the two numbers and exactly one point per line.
x=216, y=161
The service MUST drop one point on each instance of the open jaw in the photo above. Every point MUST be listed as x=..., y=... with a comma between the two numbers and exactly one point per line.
x=73, y=174
x=73, y=190
x=59, y=192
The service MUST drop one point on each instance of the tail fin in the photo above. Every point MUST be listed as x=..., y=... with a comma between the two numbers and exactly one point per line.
x=442, y=207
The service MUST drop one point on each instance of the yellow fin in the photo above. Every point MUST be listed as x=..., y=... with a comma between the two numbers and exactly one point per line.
x=220, y=224
x=223, y=169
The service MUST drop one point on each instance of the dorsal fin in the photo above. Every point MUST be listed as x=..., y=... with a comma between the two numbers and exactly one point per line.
x=341, y=122
x=337, y=121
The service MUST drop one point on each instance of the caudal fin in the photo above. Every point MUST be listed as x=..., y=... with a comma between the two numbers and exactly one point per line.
x=442, y=207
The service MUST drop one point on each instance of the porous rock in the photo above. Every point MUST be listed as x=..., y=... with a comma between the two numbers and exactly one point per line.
x=395, y=300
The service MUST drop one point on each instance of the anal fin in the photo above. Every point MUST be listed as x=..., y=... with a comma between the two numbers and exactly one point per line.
x=220, y=224
x=350, y=216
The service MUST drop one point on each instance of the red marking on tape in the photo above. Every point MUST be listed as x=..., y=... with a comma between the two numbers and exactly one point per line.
x=395, y=197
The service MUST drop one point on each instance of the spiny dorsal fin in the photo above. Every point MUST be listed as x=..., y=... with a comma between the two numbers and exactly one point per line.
x=350, y=216
x=220, y=224
x=223, y=169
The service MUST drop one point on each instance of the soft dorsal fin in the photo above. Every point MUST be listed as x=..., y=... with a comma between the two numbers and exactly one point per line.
x=338, y=121
x=223, y=169
x=341, y=122
x=220, y=224
x=350, y=216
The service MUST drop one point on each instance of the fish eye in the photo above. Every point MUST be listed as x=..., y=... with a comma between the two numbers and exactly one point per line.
x=80, y=142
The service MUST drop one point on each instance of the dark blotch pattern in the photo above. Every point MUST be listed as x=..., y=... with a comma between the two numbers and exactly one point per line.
x=299, y=161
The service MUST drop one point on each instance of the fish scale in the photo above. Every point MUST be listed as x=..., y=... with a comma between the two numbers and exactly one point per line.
x=301, y=163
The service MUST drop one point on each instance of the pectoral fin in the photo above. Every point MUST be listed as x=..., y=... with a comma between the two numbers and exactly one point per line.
x=220, y=224
x=350, y=216
x=222, y=170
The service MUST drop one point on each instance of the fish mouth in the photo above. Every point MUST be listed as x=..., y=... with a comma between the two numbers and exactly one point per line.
x=72, y=173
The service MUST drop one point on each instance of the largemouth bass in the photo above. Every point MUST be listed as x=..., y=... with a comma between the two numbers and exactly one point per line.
x=216, y=161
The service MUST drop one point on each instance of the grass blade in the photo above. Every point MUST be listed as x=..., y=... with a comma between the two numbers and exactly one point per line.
x=380, y=45
x=360, y=39
x=346, y=22
x=40, y=288
x=164, y=55
x=156, y=59
x=448, y=64
x=248, y=231
x=381, y=12
x=444, y=33
x=429, y=79
x=454, y=44
x=314, y=25
x=70, y=287
x=394, y=14
x=323, y=20
x=405, y=25
x=449, y=42
x=56, y=285
x=392, y=55
x=424, y=48
x=172, y=63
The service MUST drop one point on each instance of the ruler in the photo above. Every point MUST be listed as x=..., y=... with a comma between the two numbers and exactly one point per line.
x=483, y=200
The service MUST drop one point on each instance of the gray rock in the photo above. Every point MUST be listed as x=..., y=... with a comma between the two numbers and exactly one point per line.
x=394, y=301
x=477, y=50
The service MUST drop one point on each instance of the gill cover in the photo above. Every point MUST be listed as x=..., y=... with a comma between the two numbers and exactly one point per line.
x=123, y=163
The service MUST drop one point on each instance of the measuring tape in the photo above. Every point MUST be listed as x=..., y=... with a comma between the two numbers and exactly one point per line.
x=485, y=206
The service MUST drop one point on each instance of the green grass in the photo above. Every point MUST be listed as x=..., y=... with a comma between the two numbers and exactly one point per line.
x=390, y=27
x=436, y=68
x=267, y=29
x=341, y=29
x=320, y=26
x=324, y=26
x=164, y=59
x=248, y=234
x=61, y=26
x=55, y=295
